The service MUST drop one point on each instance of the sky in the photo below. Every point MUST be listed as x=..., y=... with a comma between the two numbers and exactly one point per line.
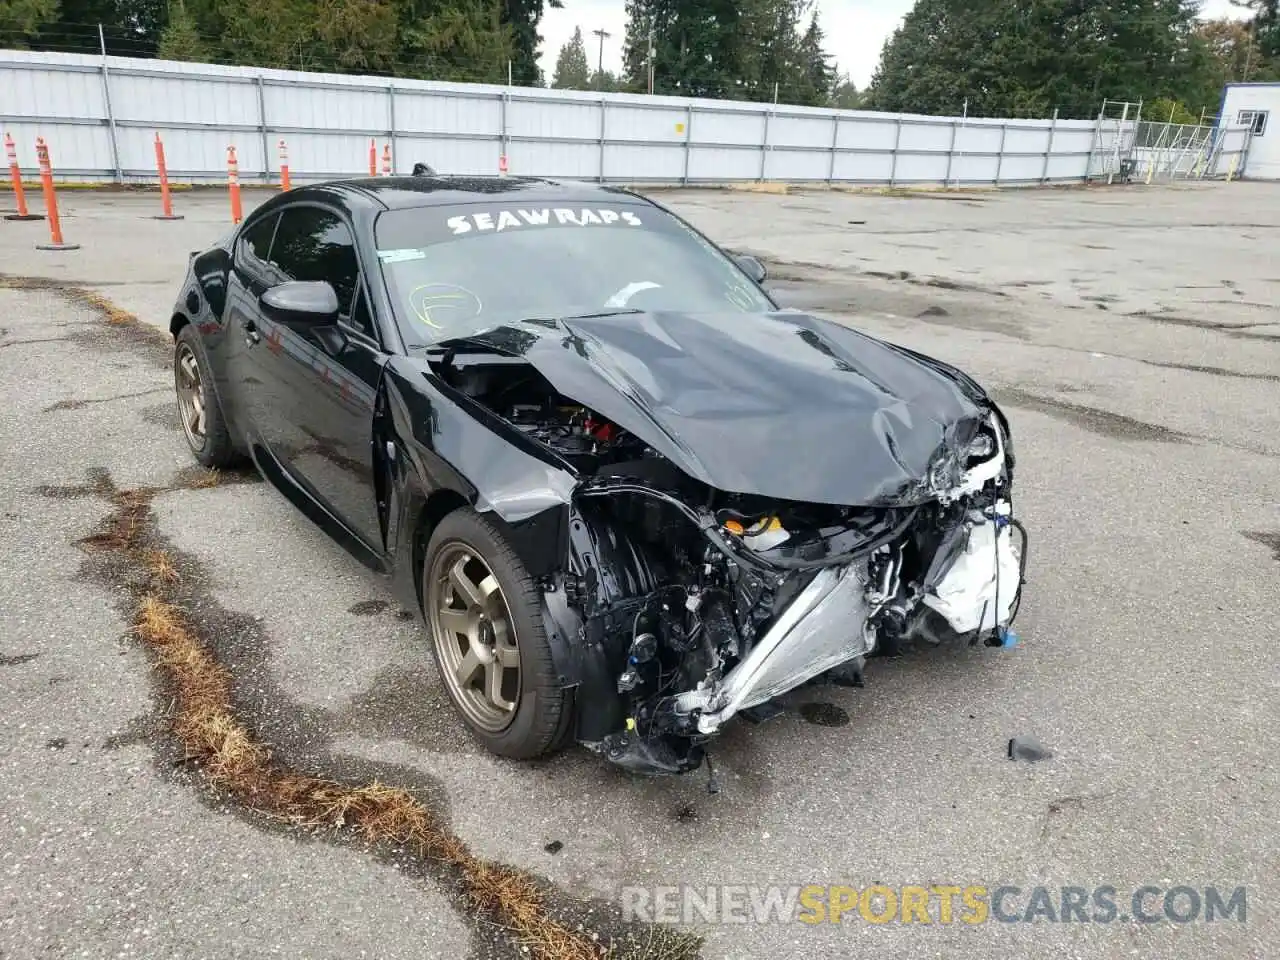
x=856, y=30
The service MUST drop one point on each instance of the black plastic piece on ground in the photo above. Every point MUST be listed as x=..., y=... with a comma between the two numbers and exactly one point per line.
x=1028, y=748
x=20, y=216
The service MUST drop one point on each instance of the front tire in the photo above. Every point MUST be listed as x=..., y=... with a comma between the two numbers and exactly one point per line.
x=202, y=422
x=484, y=615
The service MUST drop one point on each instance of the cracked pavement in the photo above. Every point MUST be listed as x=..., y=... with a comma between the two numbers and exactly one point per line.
x=1133, y=334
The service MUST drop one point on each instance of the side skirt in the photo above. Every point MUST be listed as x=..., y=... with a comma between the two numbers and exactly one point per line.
x=279, y=477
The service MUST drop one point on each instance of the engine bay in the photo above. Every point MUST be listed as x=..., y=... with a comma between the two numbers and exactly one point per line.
x=516, y=392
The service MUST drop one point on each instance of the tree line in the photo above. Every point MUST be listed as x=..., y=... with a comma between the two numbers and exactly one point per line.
x=989, y=57
x=723, y=49
x=461, y=40
x=1030, y=57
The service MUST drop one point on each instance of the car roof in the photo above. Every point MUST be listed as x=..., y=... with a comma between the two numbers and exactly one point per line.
x=397, y=193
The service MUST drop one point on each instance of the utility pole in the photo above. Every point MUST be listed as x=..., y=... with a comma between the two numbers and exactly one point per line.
x=602, y=34
x=651, y=58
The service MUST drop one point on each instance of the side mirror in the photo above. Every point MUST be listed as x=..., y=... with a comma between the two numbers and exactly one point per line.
x=313, y=303
x=752, y=267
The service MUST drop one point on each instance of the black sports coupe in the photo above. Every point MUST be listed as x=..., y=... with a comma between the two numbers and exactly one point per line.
x=631, y=496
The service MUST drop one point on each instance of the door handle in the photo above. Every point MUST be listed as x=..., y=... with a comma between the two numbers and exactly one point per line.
x=251, y=335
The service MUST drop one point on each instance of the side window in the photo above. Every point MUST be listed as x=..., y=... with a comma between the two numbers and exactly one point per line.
x=314, y=244
x=360, y=318
x=1254, y=119
x=254, y=244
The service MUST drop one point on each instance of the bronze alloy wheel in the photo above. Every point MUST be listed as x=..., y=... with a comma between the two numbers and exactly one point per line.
x=475, y=638
x=191, y=396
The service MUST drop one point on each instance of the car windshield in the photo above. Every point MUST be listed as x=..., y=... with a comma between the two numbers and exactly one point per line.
x=455, y=271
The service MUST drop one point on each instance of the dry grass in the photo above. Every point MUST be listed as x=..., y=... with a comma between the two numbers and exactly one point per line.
x=202, y=479
x=116, y=316
x=125, y=525
x=113, y=315
x=161, y=566
x=766, y=186
x=206, y=725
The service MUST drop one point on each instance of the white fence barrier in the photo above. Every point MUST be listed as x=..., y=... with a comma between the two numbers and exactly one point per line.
x=100, y=117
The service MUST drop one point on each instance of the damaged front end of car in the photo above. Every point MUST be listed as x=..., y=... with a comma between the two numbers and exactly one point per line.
x=683, y=605
x=704, y=611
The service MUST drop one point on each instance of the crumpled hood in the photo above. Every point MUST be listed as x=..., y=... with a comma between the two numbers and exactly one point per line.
x=784, y=405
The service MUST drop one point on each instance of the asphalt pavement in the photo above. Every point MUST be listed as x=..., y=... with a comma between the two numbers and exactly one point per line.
x=1134, y=337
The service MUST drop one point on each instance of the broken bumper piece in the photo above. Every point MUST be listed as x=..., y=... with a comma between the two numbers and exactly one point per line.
x=979, y=590
x=825, y=626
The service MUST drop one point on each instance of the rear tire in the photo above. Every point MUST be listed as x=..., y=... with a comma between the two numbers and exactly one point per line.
x=484, y=615
x=202, y=421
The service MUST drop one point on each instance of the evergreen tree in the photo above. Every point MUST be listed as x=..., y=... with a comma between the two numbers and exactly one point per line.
x=780, y=71
x=1017, y=57
x=845, y=95
x=180, y=38
x=733, y=49
x=359, y=35
x=131, y=28
x=522, y=18
x=606, y=82
x=572, y=70
x=21, y=20
x=1265, y=25
x=817, y=80
x=467, y=42
x=685, y=36
x=648, y=23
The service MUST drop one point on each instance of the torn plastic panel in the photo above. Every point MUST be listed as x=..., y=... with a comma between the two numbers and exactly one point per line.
x=438, y=454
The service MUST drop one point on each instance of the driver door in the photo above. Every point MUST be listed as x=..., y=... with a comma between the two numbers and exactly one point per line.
x=307, y=391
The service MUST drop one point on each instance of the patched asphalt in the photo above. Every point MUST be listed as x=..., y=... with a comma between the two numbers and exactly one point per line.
x=1132, y=333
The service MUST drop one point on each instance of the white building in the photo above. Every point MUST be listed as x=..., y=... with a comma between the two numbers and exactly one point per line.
x=1255, y=105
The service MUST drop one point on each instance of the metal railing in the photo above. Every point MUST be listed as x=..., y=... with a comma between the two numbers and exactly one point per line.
x=1173, y=151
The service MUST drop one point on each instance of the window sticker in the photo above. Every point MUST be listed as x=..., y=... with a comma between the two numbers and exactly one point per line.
x=491, y=221
x=400, y=256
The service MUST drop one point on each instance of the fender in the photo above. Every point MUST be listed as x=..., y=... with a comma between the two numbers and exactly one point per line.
x=437, y=457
